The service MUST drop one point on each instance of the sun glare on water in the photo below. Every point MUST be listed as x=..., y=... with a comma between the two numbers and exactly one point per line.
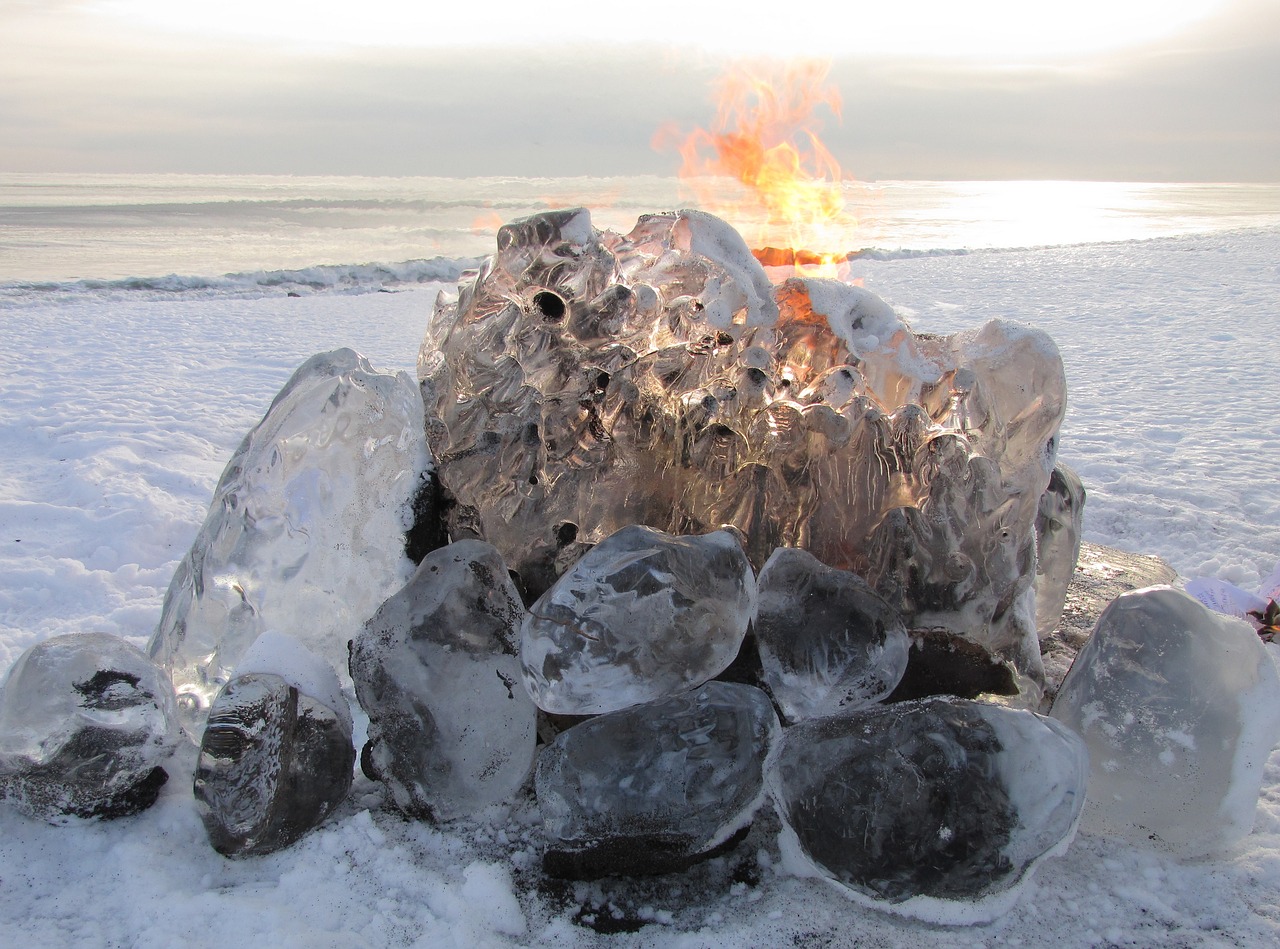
x=1005, y=29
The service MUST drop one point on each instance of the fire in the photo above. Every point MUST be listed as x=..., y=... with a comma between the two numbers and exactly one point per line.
x=765, y=136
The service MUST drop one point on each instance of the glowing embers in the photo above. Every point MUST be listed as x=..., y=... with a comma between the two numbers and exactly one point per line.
x=584, y=381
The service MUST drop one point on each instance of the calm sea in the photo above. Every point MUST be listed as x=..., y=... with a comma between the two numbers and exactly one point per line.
x=61, y=229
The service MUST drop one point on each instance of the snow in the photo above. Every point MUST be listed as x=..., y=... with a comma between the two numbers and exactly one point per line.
x=119, y=412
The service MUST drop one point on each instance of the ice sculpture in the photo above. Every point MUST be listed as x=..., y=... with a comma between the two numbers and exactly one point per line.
x=1180, y=708
x=451, y=729
x=936, y=809
x=642, y=616
x=827, y=642
x=1059, y=526
x=306, y=531
x=86, y=721
x=656, y=787
x=276, y=757
x=585, y=381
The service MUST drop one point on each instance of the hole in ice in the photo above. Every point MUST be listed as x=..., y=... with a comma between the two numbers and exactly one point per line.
x=550, y=305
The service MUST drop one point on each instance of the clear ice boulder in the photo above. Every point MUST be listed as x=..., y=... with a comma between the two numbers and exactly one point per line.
x=656, y=787
x=827, y=641
x=276, y=757
x=87, y=723
x=936, y=809
x=451, y=728
x=1059, y=531
x=642, y=616
x=1180, y=709
x=306, y=531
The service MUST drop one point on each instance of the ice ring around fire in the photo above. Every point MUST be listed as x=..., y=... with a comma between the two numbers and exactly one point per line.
x=584, y=380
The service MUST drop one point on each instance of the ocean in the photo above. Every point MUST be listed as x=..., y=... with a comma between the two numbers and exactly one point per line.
x=254, y=233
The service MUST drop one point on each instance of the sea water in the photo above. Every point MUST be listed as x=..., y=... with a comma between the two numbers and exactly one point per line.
x=233, y=232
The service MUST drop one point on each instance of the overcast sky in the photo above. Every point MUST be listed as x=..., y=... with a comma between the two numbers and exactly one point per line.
x=1156, y=90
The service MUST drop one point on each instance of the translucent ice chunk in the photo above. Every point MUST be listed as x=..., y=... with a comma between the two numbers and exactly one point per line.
x=937, y=809
x=644, y=615
x=1180, y=708
x=827, y=641
x=451, y=730
x=1059, y=526
x=585, y=381
x=306, y=532
x=654, y=787
x=274, y=760
x=86, y=721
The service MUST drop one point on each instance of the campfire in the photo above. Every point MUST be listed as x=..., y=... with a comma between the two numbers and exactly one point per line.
x=672, y=536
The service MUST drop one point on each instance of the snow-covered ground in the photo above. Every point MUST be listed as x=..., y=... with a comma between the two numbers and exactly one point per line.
x=118, y=414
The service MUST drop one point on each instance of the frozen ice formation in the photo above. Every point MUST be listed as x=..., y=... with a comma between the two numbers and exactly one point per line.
x=827, y=641
x=276, y=757
x=642, y=616
x=1180, y=708
x=1059, y=529
x=655, y=787
x=306, y=531
x=86, y=721
x=451, y=729
x=937, y=809
x=583, y=381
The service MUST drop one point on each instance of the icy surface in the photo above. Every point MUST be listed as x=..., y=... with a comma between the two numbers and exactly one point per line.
x=918, y=806
x=106, y=476
x=451, y=730
x=87, y=723
x=827, y=642
x=1059, y=530
x=654, y=787
x=1180, y=708
x=578, y=365
x=642, y=616
x=277, y=654
x=305, y=534
x=274, y=762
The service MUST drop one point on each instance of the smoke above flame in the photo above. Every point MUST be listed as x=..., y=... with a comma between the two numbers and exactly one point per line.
x=766, y=136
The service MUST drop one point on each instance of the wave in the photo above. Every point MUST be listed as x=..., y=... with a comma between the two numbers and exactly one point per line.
x=322, y=278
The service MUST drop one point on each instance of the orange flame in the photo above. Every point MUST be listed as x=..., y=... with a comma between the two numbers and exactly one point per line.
x=765, y=136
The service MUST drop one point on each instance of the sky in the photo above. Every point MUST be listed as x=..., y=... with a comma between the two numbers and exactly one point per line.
x=1130, y=90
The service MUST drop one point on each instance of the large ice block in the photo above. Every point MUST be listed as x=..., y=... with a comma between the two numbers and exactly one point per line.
x=1180, y=708
x=306, y=531
x=583, y=381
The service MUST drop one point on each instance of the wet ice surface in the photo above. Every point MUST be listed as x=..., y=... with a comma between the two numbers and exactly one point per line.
x=112, y=472
x=1180, y=708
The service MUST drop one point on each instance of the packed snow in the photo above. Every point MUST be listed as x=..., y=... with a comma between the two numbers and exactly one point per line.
x=120, y=412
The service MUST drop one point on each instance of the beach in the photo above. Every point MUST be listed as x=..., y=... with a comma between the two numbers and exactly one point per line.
x=123, y=401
